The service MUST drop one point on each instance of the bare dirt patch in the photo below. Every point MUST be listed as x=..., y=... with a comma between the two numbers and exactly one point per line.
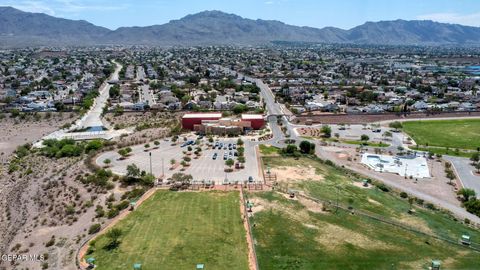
x=259, y=204
x=294, y=174
x=332, y=237
x=360, y=185
x=311, y=226
x=311, y=205
x=415, y=222
x=29, y=128
x=373, y=201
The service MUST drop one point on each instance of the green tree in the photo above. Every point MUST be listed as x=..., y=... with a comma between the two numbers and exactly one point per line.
x=467, y=193
x=113, y=237
x=240, y=108
x=306, y=147
x=364, y=138
x=396, y=125
x=147, y=180
x=240, y=142
x=133, y=171
x=475, y=157
x=229, y=162
x=326, y=130
x=107, y=161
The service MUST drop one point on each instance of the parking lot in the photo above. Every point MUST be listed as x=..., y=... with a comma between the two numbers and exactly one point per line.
x=204, y=167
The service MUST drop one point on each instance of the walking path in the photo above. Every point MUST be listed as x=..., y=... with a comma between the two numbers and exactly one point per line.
x=252, y=258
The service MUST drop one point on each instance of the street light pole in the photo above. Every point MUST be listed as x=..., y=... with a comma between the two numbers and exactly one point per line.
x=163, y=169
x=150, y=154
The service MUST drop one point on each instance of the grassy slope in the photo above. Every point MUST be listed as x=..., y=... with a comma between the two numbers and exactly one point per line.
x=463, y=134
x=286, y=243
x=178, y=230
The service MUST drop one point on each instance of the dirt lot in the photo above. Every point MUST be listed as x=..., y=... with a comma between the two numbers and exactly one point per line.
x=18, y=131
x=142, y=120
x=289, y=174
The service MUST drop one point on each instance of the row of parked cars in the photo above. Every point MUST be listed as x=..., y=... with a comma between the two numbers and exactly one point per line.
x=187, y=143
x=225, y=146
x=226, y=155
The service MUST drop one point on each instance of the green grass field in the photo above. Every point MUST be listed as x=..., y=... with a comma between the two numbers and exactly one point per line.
x=462, y=134
x=289, y=236
x=177, y=230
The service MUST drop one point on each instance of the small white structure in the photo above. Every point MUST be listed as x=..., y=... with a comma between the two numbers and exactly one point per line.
x=413, y=165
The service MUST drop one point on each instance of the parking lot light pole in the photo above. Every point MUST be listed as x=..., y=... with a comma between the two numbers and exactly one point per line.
x=163, y=169
x=150, y=154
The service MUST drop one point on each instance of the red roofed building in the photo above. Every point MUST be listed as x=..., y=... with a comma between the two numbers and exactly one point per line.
x=257, y=121
x=189, y=120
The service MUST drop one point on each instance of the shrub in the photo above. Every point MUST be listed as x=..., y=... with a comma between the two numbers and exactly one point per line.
x=403, y=195
x=112, y=213
x=50, y=242
x=430, y=206
x=93, y=145
x=383, y=188
x=94, y=228
x=122, y=205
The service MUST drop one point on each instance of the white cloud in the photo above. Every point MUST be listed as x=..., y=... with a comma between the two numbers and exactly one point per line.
x=472, y=19
x=54, y=7
x=30, y=6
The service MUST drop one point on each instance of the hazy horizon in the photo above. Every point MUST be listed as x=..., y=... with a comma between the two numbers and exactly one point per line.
x=341, y=14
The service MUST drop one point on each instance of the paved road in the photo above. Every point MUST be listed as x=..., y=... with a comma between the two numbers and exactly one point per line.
x=140, y=73
x=146, y=95
x=94, y=117
x=465, y=172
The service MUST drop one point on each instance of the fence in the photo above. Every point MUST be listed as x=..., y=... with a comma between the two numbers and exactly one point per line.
x=250, y=235
x=473, y=246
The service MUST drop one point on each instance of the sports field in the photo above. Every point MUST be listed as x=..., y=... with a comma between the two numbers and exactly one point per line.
x=462, y=134
x=178, y=230
x=294, y=234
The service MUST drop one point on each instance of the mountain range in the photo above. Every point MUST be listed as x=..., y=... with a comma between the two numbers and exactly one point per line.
x=21, y=29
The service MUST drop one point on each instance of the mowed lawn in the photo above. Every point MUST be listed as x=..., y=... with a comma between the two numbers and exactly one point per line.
x=177, y=230
x=462, y=134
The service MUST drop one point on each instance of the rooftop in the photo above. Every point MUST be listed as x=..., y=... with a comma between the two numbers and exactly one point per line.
x=252, y=116
x=202, y=115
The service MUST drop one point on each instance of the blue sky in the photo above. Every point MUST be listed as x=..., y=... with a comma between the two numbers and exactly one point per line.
x=316, y=13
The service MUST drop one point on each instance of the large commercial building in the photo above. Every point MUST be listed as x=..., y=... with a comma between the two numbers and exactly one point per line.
x=213, y=123
x=189, y=120
x=257, y=121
